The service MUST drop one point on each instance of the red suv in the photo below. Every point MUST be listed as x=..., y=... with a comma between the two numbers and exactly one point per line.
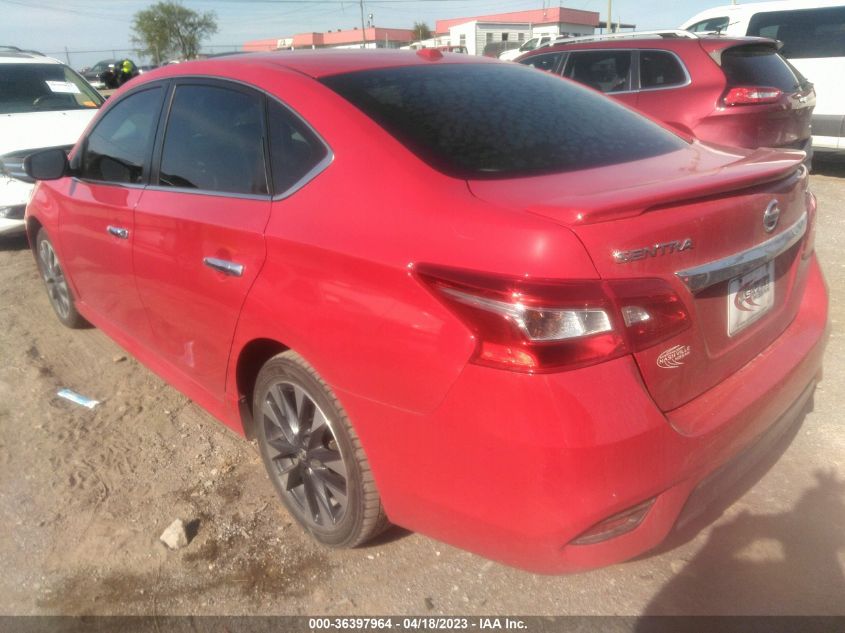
x=726, y=90
x=458, y=294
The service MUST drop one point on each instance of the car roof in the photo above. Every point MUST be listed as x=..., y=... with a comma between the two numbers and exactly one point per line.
x=15, y=55
x=746, y=10
x=322, y=63
x=709, y=42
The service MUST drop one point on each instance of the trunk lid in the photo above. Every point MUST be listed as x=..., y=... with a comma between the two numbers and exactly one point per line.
x=682, y=212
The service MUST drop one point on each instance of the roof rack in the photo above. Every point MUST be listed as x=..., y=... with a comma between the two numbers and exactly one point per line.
x=664, y=34
x=15, y=49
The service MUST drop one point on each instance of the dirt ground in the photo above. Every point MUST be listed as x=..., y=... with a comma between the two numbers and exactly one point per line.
x=85, y=494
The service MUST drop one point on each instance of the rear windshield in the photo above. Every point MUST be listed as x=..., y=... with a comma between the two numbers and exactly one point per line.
x=40, y=87
x=501, y=120
x=758, y=66
x=804, y=33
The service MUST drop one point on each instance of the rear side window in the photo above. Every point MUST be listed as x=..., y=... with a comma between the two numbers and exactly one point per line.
x=547, y=62
x=758, y=66
x=605, y=71
x=805, y=32
x=116, y=149
x=214, y=141
x=500, y=120
x=659, y=69
x=294, y=149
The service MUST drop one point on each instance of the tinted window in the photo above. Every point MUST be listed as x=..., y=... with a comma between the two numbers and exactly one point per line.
x=659, y=69
x=758, y=66
x=294, y=149
x=500, y=120
x=214, y=141
x=41, y=87
x=606, y=71
x=712, y=24
x=804, y=33
x=547, y=62
x=117, y=148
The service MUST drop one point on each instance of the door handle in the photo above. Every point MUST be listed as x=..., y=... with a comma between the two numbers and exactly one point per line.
x=118, y=232
x=225, y=267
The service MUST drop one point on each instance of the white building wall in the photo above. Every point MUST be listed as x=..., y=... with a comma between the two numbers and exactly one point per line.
x=475, y=33
x=467, y=30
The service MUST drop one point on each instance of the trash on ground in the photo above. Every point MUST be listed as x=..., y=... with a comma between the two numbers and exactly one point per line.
x=67, y=394
x=175, y=536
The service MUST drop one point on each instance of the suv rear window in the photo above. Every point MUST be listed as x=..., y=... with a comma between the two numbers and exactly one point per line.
x=500, y=120
x=804, y=33
x=758, y=66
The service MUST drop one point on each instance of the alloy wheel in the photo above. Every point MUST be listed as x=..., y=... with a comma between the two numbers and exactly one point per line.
x=305, y=455
x=54, y=278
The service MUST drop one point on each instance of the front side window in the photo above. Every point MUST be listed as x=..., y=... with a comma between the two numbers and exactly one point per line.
x=804, y=33
x=710, y=25
x=605, y=71
x=42, y=87
x=214, y=141
x=660, y=69
x=547, y=62
x=500, y=120
x=117, y=148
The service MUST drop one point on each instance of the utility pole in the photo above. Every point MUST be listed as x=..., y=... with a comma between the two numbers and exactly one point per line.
x=67, y=56
x=363, y=28
x=609, y=28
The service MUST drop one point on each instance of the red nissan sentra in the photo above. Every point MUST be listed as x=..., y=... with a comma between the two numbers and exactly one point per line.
x=460, y=295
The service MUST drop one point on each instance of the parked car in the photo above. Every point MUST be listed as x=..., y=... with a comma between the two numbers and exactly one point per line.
x=724, y=90
x=446, y=367
x=43, y=103
x=494, y=49
x=530, y=45
x=109, y=73
x=813, y=37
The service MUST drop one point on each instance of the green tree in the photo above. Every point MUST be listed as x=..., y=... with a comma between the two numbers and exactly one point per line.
x=167, y=28
x=421, y=31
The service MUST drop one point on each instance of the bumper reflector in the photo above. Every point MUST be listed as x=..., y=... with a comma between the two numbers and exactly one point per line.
x=616, y=525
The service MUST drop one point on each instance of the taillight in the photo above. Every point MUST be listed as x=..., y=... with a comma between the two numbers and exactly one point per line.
x=541, y=325
x=810, y=240
x=751, y=95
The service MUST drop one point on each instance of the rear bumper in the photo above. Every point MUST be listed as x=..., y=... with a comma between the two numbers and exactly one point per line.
x=515, y=467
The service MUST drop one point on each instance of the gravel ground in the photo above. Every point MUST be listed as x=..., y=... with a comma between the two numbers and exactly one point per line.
x=85, y=494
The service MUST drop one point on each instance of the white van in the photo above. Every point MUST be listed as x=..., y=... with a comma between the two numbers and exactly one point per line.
x=813, y=36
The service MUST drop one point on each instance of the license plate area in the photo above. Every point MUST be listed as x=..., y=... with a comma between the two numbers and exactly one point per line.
x=750, y=296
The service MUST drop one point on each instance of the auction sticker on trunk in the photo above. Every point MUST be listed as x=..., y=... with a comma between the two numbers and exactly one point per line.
x=750, y=297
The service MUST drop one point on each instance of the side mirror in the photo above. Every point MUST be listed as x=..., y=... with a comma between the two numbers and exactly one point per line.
x=49, y=164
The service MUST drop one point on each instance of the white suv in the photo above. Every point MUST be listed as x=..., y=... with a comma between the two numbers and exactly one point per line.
x=43, y=103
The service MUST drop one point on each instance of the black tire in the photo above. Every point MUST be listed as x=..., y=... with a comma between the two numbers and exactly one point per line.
x=313, y=455
x=58, y=290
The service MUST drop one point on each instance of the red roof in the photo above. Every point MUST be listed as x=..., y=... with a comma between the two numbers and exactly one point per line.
x=351, y=36
x=536, y=17
x=261, y=45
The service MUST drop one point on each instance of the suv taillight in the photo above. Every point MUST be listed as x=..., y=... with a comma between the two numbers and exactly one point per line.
x=542, y=325
x=751, y=95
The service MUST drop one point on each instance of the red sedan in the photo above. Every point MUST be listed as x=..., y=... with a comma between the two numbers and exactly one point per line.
x=483, y=303
x=727, y=90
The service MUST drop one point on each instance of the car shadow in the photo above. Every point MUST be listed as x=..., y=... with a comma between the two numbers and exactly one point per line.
x=832, y=165
x=763, y=564
x=13, y=242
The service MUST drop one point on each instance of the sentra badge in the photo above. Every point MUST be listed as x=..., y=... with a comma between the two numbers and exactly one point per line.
x=658, y=250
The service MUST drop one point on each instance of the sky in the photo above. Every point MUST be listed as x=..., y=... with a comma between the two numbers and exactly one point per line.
x=91, y=29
